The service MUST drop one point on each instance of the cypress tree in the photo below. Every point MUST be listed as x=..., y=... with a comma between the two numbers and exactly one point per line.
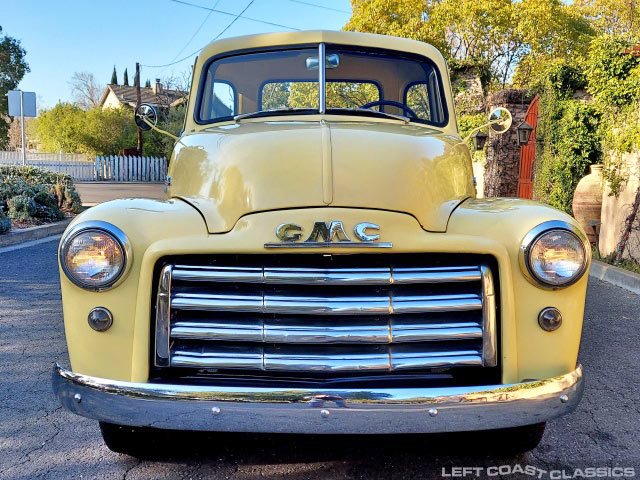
x=125, y=78
x=114, y=77
x=147, y=84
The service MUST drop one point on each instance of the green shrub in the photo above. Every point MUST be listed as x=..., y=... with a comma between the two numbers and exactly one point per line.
x=31, y=180
x=5, y=223
x=33, y=195
x=570, y=129
x=613, y=76
x=22, y=207
x=614, y=82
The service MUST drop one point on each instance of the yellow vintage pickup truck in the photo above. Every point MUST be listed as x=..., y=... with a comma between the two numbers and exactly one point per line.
x=321, y=263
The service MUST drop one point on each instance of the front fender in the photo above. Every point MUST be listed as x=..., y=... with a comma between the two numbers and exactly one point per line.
x=507, y=221
x=144, y=221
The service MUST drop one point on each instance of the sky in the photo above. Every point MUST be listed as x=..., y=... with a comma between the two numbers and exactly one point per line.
x=66, y=36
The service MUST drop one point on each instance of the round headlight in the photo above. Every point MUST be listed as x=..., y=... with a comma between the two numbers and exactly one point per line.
x=94, y=257
x=555, y=257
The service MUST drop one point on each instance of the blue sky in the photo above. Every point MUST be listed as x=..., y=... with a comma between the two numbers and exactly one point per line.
x=66, y=36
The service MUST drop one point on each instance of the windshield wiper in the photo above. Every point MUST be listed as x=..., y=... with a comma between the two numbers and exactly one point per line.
x=272, y=111
x=375, y=112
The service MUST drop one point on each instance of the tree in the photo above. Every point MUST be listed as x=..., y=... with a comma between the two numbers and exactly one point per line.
x=114, y=77
x=494, y=35
x=60, y=128
x=553, y=33
x=401, y=18
x=96, y=131
x=14, y=135
x=147, y=84
x=125, y=78
x=85, y=90
x=618, y=17
x=12, y=68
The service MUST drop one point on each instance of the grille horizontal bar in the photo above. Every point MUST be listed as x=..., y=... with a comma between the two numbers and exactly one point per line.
x=353, y=305
x=298, y=331
x=327, y=276
x=273, y=358
x=343, y=318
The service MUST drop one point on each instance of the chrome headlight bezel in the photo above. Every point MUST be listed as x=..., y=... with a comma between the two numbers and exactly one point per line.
x=534, y=234
x=106, y=228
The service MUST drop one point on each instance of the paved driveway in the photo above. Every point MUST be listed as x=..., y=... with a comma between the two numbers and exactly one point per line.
x=93, y=193
x=40, y=440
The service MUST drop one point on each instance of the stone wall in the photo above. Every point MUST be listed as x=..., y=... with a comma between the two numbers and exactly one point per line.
x=615, y=211
x=503, y=152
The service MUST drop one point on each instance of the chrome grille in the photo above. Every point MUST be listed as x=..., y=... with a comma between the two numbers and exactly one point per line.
x=218, y=316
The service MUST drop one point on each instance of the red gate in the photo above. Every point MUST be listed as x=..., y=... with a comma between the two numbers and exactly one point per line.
x=528, y=153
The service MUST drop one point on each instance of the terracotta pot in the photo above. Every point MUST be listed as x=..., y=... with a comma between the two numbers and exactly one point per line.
x=587, y=200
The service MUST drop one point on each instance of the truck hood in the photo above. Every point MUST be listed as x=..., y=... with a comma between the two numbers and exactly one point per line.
x=229, y=171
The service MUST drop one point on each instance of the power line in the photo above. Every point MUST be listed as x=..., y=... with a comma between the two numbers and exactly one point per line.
x=197, y=31
x=319, y=6
x=173, y=63
x=235, y=18
x=192, y=36
x=233, y=15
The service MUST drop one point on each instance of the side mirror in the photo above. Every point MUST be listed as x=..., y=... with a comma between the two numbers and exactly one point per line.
x=500, y=120
x=146, y=117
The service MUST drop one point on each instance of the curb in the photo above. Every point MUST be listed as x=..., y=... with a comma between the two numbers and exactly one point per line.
x=616, y=276
x=33, y=233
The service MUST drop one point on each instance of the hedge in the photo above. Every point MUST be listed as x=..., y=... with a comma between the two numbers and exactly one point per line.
x=31, y=195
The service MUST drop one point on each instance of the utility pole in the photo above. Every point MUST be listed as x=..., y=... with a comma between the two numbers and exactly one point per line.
x=138, y=102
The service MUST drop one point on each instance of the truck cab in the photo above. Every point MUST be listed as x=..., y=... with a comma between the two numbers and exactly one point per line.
x=321, y=263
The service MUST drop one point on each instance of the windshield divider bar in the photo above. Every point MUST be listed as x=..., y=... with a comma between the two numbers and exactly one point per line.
x=321, y=78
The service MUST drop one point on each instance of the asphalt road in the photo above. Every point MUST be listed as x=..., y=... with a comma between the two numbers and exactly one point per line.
x=38, y=439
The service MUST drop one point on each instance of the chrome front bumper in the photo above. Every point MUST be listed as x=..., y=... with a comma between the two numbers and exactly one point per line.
x=397, y=410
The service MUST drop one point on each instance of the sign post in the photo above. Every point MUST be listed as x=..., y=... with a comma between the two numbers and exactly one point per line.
x=22, y=104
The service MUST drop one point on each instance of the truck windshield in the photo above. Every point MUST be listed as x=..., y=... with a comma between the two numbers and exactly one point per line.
x=292, y=81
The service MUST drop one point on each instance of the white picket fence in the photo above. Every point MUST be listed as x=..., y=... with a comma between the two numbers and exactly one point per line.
x=103, y=168
x=130, y=169
x=78, y=166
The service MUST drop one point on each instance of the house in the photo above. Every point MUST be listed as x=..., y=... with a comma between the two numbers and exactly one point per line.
x=115, y=96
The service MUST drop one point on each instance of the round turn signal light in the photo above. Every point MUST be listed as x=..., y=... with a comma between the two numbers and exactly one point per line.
x=550, y=319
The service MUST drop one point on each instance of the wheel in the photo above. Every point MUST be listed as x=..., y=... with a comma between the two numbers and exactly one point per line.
x=519, y=439
x=133, y=441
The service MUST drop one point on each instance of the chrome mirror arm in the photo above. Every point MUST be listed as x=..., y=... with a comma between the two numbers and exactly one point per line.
x=159, y=130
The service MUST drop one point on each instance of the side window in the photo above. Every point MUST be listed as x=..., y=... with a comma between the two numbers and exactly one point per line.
x=417, y=99
x=223, y=100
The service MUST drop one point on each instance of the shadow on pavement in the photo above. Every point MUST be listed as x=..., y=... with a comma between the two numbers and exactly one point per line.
x=258, y=448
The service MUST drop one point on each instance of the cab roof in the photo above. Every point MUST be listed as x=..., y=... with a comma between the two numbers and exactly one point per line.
x=322, y=36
